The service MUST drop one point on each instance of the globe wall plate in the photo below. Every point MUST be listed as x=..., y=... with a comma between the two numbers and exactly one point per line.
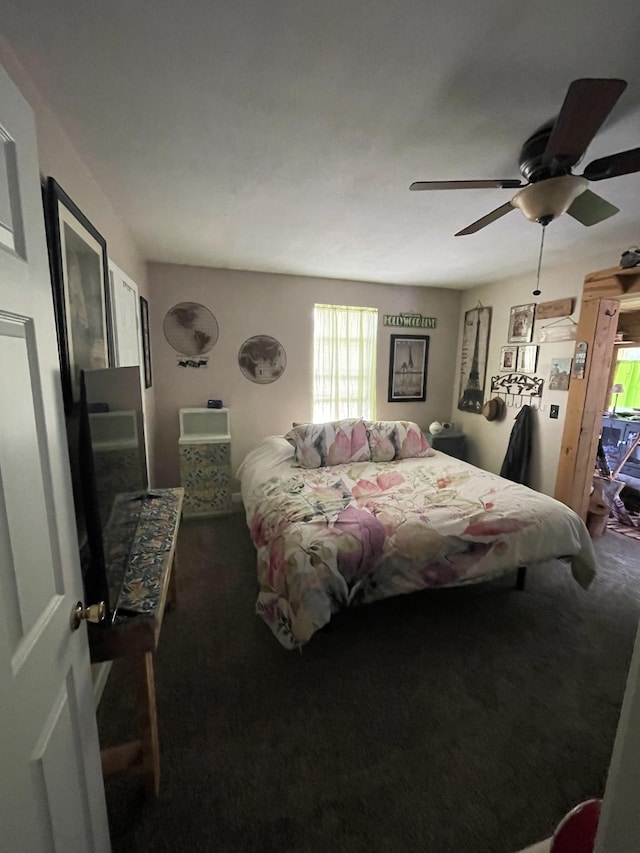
x=262, y=359
x=192, y=330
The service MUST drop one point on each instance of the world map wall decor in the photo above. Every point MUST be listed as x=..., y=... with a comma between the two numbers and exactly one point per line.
x=192, y=330
x=262, y=359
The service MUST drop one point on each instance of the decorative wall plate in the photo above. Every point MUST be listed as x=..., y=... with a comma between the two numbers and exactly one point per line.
x=190, y=328
x=262, y=359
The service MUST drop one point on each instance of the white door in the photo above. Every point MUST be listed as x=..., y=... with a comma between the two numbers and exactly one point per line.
x=51, y=791
x=126, y=331
x=125, y=320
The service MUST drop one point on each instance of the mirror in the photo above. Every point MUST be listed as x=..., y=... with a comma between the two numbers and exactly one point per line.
x=116, y=426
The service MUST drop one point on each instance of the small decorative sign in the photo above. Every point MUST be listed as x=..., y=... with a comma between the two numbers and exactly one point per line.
x=580, y=360
x=191, y=362
x=557, y=308
x=408, y=318
x=556, y=333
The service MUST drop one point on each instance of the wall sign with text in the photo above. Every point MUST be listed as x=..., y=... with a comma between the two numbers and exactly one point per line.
x=414, y=321
x=580, y=360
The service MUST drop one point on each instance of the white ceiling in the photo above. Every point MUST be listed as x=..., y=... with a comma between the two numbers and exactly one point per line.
x=282, y=135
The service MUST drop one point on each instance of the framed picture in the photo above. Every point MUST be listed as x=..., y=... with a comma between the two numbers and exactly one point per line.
x=527, y=359
x=560, y=374
x=473, y=360
x=408, y=359
x=521, y=323
x=508, y=358
x=78, y=257
x=146, y=343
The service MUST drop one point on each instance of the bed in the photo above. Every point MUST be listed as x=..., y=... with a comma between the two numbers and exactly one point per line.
x=337, y=524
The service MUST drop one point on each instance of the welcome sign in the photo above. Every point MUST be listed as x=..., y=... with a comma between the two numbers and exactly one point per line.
x=409, y=320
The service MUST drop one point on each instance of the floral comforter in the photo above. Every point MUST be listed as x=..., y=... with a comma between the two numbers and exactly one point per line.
x=333, y=537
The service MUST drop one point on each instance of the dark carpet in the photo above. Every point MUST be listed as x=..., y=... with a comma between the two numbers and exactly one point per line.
x=456, y=721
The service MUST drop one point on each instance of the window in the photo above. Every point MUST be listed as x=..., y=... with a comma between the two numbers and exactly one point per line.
x=344, y=377
x=627, y=374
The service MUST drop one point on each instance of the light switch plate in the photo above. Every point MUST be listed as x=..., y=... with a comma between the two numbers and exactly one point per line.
x=554, y=411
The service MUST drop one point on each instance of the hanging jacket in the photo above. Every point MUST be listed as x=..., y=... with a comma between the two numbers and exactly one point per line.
x=518, y=456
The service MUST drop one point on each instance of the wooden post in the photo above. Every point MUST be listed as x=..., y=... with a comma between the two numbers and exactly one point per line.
x=148, y=724
x=585, y=405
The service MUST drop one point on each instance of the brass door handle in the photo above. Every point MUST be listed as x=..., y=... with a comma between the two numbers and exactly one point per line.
x=93, y=613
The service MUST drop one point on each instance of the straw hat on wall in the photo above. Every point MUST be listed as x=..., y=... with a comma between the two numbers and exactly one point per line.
x=493, y=409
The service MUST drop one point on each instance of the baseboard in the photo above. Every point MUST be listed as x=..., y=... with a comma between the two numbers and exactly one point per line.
x=99, y=673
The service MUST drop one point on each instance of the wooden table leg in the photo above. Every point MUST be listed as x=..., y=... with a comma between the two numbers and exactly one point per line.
x=172, y=592
x=150, y=744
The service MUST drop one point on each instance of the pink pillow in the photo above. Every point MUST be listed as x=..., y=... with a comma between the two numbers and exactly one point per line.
x=332, y=443
x=413, y=442
x=390, y=440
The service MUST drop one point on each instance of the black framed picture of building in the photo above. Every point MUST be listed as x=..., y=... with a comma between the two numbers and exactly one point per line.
x=408, y=361
x=473, y=361
x=78, y=256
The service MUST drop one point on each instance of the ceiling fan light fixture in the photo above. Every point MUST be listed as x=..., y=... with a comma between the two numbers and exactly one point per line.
x=548, y=199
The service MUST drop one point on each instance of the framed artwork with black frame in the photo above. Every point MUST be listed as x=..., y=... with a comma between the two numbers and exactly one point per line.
x=80, y=280
x=146, y=342
x=408, y=361
x=473, y=358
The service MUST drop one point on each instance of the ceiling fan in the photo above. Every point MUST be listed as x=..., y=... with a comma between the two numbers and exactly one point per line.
x=546, y=160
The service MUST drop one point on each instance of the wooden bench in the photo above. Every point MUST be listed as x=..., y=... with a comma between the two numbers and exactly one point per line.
x=148, y=586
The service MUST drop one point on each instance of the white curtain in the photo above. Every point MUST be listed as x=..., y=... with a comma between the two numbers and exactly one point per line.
x=344, y=362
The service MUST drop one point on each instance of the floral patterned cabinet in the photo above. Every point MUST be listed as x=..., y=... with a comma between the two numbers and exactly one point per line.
x=205, y=461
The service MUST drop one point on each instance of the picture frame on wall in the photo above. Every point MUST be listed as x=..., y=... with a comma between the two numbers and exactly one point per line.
x=146, y=341
x=408, y=361
x=527, y=358
x=560, y=374
x=473, y=359
x=80, y=281
x=521, y=323
x=508, y=358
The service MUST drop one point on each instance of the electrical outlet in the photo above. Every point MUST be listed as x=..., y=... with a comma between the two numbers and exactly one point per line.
x=554, y=411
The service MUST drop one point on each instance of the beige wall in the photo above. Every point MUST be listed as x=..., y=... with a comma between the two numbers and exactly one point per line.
x=488, y=440
x=253, y=303
x=246, y=304
x=59, y=159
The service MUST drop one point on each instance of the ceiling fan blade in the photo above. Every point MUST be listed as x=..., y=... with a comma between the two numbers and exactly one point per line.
x=590, y=208
x=486, y=220
x=466, y=185
x=623, y=163
x=586, y=105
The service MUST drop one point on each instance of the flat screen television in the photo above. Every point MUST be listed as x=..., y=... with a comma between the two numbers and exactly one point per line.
x=108, y=461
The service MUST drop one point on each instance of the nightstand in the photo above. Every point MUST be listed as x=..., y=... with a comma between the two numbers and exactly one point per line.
x=205, y=461
x=449, y=441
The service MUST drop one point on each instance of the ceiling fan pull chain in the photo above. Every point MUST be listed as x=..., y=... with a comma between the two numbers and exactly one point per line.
x=537, y=291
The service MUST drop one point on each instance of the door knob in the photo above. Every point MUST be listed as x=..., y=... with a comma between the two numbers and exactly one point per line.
x=93, y=613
